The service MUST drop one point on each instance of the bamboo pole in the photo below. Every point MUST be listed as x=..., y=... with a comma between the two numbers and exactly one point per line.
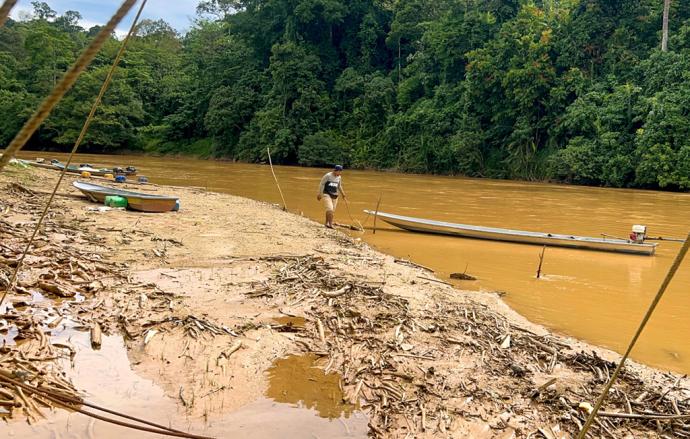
x=662, y=289
x=72, y=403
x=65, y=84
x=270, y=162
x=5, y=9
x=376, y=213
x=5, y=158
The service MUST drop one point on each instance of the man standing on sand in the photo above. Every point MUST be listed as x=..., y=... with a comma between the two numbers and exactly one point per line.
x=330, y=187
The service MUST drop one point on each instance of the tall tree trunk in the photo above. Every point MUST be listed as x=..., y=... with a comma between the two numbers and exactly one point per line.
x=664, y=37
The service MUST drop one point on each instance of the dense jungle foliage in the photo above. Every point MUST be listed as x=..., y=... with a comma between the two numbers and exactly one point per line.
x=568, y=90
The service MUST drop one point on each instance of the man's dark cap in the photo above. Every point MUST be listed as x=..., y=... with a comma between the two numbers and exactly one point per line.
x=338, y=167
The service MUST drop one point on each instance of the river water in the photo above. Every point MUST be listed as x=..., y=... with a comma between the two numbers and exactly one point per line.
x=594, y=296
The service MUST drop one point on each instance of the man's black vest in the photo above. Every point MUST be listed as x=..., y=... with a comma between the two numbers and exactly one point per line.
x=331, y=189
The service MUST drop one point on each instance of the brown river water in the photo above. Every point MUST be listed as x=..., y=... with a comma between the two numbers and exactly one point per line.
x=594, y=296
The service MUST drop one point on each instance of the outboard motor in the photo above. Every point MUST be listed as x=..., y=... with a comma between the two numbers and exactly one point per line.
x=54, y=161
x=118, y=171
x=638, y=234
x=131, y=169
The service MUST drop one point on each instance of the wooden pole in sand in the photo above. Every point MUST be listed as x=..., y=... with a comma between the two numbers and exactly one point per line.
x=376, y=213
x=662, y=289
x=268, y=150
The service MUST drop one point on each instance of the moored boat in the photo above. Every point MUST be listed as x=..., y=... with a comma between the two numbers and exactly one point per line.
x=135, y=200
x=518, y=236
x=72, y=169
x=95, y=171
x=38, y=164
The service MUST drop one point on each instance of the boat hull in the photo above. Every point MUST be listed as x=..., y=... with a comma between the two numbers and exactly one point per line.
x=77, y=170
x=38, y=165
x=92, y=171
x=517, y=236
x=135, y=200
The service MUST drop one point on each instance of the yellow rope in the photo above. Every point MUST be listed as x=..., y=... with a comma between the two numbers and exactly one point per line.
x=64, y=85
x=83, y=132
x=5, y=9
x=664, y=285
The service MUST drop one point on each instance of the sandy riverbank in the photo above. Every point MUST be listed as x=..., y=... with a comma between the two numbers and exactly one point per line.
x=211, y=296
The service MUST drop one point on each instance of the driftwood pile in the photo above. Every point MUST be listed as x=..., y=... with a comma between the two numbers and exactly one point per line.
x=65, y=284
x=54, y=274
x=433, y=369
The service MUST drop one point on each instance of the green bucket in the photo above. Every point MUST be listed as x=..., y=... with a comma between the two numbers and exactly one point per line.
x=115, y=201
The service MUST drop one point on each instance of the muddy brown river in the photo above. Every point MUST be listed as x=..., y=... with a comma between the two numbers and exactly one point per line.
x=594, y=296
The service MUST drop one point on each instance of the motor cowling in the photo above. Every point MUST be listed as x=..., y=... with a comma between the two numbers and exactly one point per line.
x=638, y=234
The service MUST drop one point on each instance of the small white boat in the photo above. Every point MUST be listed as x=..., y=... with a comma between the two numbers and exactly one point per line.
x=519, y=236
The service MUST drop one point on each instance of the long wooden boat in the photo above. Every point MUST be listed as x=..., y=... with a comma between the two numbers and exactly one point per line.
x=94, y=171
x=135, y=200
x=72, y=169
x=519, y=236
x=38, y=164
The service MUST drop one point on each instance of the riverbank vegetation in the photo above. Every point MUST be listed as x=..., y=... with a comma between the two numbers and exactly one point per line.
x=573, y=90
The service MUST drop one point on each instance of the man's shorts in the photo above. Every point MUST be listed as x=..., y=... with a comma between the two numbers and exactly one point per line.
x=329, y=203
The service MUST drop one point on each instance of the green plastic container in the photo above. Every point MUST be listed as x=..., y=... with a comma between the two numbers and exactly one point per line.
x=115, y=201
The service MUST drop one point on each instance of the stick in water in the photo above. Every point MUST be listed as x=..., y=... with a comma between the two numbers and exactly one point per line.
x=268, y=150
x=376, y=213
x=541, y=261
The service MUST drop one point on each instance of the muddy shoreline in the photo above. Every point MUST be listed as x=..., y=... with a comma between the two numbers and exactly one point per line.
x=199, y=294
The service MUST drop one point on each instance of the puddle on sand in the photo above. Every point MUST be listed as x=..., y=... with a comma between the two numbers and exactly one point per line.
x=8, y=335
x=106, y=378
x=298, y=380
x=268, y=419
x=295, y=322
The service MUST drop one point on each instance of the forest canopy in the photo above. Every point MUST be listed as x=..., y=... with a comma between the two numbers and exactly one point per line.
x=567, y=90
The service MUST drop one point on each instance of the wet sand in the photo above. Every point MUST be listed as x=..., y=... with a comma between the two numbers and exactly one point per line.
x=251, y=312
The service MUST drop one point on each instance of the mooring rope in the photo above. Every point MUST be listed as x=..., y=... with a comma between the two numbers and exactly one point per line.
x=66, y=82
x=84, y=129
x=5, y=9
x=662, y=289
